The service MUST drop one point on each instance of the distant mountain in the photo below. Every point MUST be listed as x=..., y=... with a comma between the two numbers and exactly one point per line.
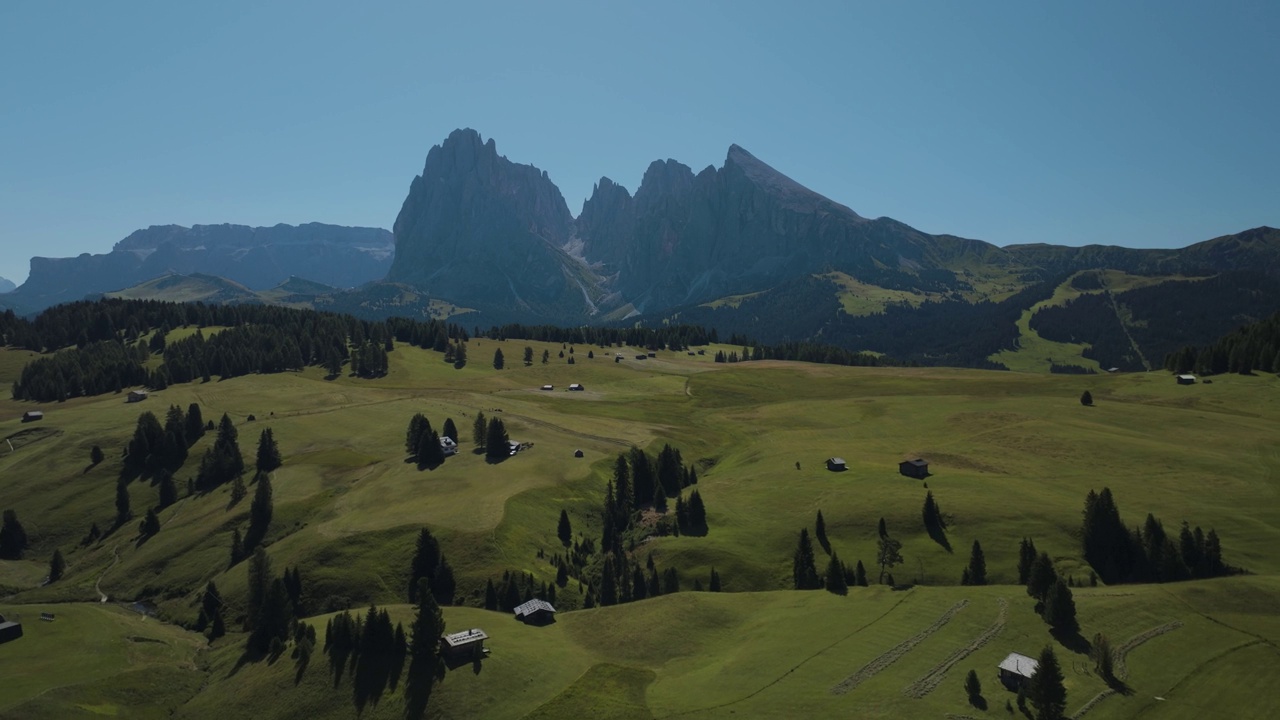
x=258, y=258
x=6, y=285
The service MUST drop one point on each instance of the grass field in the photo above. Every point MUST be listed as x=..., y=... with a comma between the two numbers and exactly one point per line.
x=1013, y=455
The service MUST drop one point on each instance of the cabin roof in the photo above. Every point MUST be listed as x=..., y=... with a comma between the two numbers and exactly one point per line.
x=533, y=606
x=1019, y=664
x=465, y=637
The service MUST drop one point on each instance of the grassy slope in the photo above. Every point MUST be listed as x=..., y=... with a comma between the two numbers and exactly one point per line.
x=1013, y=455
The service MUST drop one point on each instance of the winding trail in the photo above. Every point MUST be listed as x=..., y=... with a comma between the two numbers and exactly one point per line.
x=97, y=586
x=930, y=680
x=893, y=654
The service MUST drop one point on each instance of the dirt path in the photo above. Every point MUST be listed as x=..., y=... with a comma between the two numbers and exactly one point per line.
x=895, y=653
x=930, y=681
x=1115, y=307
x=102, y=597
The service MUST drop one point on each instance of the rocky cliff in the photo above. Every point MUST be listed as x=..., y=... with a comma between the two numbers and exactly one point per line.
x=258, y=258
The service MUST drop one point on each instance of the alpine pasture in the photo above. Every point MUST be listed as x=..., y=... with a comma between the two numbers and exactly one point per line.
x=1013, y=455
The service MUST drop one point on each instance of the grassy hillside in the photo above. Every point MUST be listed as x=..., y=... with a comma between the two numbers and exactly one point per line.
x=1012, y=454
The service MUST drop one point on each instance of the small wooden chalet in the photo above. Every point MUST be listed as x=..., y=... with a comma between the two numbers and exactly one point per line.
x=136, y=396
x=917, y=468
x=9, y=630
x=548, y=387
x=32, y=416
x=1186, y=379
x=835, y=464
x=463, y=644
x=536, y=612
x=576, y=387
x=1016, y=670
x=577, y=453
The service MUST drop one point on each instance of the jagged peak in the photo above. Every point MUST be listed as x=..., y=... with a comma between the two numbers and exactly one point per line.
x=768, y=178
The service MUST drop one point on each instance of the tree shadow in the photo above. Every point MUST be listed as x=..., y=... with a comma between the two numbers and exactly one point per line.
x=304, y=661
x=939, y=535
x=1072, y=640
x=495, y=459
x=250, y=655
x=142, y=540
x=978, y=702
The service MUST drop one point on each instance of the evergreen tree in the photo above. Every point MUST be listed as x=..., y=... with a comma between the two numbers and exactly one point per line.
x=56, y=566
x=268, y=452
x=490, y=596
x=546, y=356
x=1026, y=558
x=564, y=530
x=1042, y=577
x=260, y=581
x=150, y=524
x=238, y=490
x=96, y=456
x=498, y=362
x=835, y=580
x=803, y=571
x=608, y=583
x=425, y=666
x=860, y=575
x=973, y=687
x=697, y=514
x=237, y=546
x=882, y=530
x=480, y=431
x=528, y=355
x=13, y=538
x=1086, y=398
x=933, y=522
x=450, y=430
x=977, y=565
x=497, y=444
x=1046, y=692
x=1060, y=608
x=714, y=584
x=1103, y=657
x=426, y=560
x=174, y=444
x=123, y=513
x=194, y=428
x=261, y=511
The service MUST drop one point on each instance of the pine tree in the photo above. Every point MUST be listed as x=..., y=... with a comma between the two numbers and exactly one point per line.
x=450, y=430
x=860, y=575
x=497, y=444
x=1046, y=692
x=426, y=560
x=977, y=565
x=697, y=514
x=565, y=530
x=835, y=579
x=194, y=429
x=123, y=513
x=237, y=546
x=490, y=596
x=425, y=666
x=1026, y=558
x=804, y=573
x=973, y=687
x=479, y=431
x=1042, y=577
x=150, y=524
x=13, y=538
x=260, y=580
x=1103, y=657
x=528, y=355
x=261, y=511
x=498, y=362
x=1086, y=398
x=167, y=488
x=933, y=522
x=56, y=566
x=714, y=584
x=1060, y=608
x=268, y=452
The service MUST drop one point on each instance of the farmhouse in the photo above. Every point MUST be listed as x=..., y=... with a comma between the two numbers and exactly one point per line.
x=576, y=387
x=835, y=464
x=917, y=468
x=463, y=644
x=536, y=612
x=9, y=630
x=1016, y=670
x=136, y=396
x=548, y=387
x=1186, y=379
x=448, y=445
x=32, y=416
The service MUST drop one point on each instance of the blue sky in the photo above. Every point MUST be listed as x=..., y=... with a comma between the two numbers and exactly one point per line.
x=1136, y=123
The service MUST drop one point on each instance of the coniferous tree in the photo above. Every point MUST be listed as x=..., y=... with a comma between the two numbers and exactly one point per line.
x=450, y=430
x=238, y=490
x=881, y=529
x=13, y=538
x=973, y=688
x=1060, y=608
x=497, y=444
x=426, y=560
x=1026, y=558
x=174, y=445
x=237, y=546
x=1042, y=577
x=260, y=581
x=697, y=514
x=167, y=488
x=194, y=426
x=977, y=565
x=261, y=511
x=425, y=666
x=498, y=361
x=490, y=596
x=888, y=554
x=123, y=512
x=528, y=355
x=1046, y=691
x=835, y=581
x=1086, y=398
x=268, y=452
x=803, y=571
x=480, y=431
x=608, y=583
x=565, y=530
x=56, y=566
x=150, y=524
x=714, y=584
x=860, y=575
x=1103, y=657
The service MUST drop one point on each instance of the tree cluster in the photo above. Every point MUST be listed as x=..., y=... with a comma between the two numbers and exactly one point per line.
x=13, y=537
x=431, y=569
x=1147, y=554
x=1253, y=347
x=222, y=462
x=370, y=649
x=1054, y=601
x=422, y=442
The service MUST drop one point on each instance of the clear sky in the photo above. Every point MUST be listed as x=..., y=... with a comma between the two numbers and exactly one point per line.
x=1133, y=123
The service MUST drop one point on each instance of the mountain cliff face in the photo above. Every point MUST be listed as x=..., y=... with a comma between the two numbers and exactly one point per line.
x=258, y=258
x=6, y=285
x=478, y=227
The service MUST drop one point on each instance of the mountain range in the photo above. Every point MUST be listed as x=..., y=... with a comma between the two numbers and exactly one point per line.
x=742, y=248
x=6, y=285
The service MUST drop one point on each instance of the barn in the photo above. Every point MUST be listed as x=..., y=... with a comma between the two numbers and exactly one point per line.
x=32, y=416
x=9, y=630
x=1186, y=379
x=577, y=387
x=1016, y=670
x=136, y=396
x=463, y=644
x=835, y=464
x=536, y=612
x=917, y=468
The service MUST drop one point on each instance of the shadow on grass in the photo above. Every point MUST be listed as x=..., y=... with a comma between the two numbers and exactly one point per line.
x=939, y=535
x=1072, y=640
x=978, y=702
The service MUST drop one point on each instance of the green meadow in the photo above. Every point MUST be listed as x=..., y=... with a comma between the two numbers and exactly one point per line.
x=1012, y=455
